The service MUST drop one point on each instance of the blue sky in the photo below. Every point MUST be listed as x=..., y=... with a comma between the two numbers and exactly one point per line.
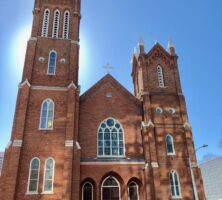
x=109, y=32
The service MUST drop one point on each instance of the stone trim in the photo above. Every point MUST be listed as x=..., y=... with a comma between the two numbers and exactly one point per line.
x=154, y=165
x=147, y=125
x=26, y=82
x=75, y=42
x=49, y=88
x=72, y=84
x=17, y=143
x=187, y=125
x=69, y=143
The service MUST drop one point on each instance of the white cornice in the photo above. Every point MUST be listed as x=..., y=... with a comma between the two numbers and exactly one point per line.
x=154, y=165
x=69, y=143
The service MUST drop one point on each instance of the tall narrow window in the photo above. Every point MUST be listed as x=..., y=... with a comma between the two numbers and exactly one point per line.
x=133, y=191
x=48, y=176
x=65, y=33
x=170, y=145
x=110, y=189
x=45, y=23
x=87, y=191
x=47, y=114
x=175, y=184
x=160, y=76
x=52, y=63
x=111, y=139
x=55, y=29
x=33, y=176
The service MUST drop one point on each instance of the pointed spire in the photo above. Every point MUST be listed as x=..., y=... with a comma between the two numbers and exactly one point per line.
x=171, y=47
x=141, y=44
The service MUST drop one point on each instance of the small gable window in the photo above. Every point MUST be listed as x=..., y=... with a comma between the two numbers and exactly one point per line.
x=111, y=139
x=65, y=34
x=48, y=176
x=170, y=145
x=160, y=76
x=45, y=23
x=55, y=29
x=47, y=114
x=52, y=63
x=33, y=176
x=175, y=184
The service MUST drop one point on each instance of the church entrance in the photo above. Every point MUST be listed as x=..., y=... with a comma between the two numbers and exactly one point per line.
x=110, y=189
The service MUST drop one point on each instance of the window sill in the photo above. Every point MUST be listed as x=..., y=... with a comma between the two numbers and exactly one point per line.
x=31, y=193
x=47, y=193
x=179, y=197
x=162, y=87
x=45, y=129
x=171, y=154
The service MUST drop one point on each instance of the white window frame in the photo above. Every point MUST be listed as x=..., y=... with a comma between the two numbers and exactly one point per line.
x=66, y=26
x=30, y=165
x=108, y=186
x=160, y=76
x=40, y=128
x=172, y=141
x=45, y=23
x=137, y=187
x=111, y=156
x=53, y=173
x=52, y=51
x=83, y=189
x=175, y=196
x=55, y=31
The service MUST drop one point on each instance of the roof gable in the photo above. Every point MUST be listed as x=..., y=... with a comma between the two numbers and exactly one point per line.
x=108, y=79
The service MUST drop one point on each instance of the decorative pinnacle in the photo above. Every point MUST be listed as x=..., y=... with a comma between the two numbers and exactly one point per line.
x=134, y=50
x=170, y=43
x=141, y=42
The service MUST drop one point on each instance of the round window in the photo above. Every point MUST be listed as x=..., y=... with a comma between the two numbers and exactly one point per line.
x=159, y=110
x=171, y=110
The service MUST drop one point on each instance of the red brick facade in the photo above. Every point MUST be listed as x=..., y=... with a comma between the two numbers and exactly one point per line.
x=73, y=140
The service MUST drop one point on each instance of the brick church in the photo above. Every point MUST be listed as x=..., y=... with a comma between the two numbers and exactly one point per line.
x=106, y=144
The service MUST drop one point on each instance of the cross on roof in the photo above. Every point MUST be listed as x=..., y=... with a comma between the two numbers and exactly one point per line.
x=107, y=67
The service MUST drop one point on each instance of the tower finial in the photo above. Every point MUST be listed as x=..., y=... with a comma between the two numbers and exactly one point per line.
x=171, y=47
x=141, y=44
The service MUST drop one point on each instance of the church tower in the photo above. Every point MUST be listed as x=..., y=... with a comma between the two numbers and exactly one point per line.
x=167, y=134
x=46, y=116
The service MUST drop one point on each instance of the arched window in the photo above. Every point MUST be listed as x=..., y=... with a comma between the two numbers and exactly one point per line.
x=175, y=184
x=111, y=139
x=48, y=176
x=45, y=23
x=65, y=33
x=133, y=191
x=33, y=176
x=47, y=114
x=52, y=63
x=160, y=76
x=110, y=189
x=87, y=191
x=55, y=29
x=170, y=145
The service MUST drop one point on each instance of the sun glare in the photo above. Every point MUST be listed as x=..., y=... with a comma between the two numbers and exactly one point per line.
x=20, y=45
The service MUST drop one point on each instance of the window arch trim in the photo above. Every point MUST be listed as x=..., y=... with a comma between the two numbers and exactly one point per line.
x=123, y=135
x=44, y=178
x=160, y=76
x=41, y=114
x=172, y=143
x=29, y=177
x=137, y=187
x=87, y=182
x=55, y=64
x=45, y=23
x=55, y=28
x=65, y=32
x=174, y=172
x=110, y=186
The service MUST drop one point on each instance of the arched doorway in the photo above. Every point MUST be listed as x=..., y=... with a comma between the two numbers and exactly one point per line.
x=110, y=189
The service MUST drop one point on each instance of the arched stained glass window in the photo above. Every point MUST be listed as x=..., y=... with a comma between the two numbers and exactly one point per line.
x=55, y=29
x=111, y=139
x=160, y=76
x=48, y=176
x=110, y=189
x=170, y=145
x=133, y=190
x=33, y=176
x=65, y=34
x=47, y=114
x=87, y=191
x=175, y=184
x=45, y=23
x=52, y=63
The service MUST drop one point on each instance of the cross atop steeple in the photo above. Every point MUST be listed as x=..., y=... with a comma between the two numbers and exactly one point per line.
x=107, y=67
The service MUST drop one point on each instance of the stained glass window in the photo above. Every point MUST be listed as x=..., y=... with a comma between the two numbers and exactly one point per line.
x=47, y=114
x=175, y=184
